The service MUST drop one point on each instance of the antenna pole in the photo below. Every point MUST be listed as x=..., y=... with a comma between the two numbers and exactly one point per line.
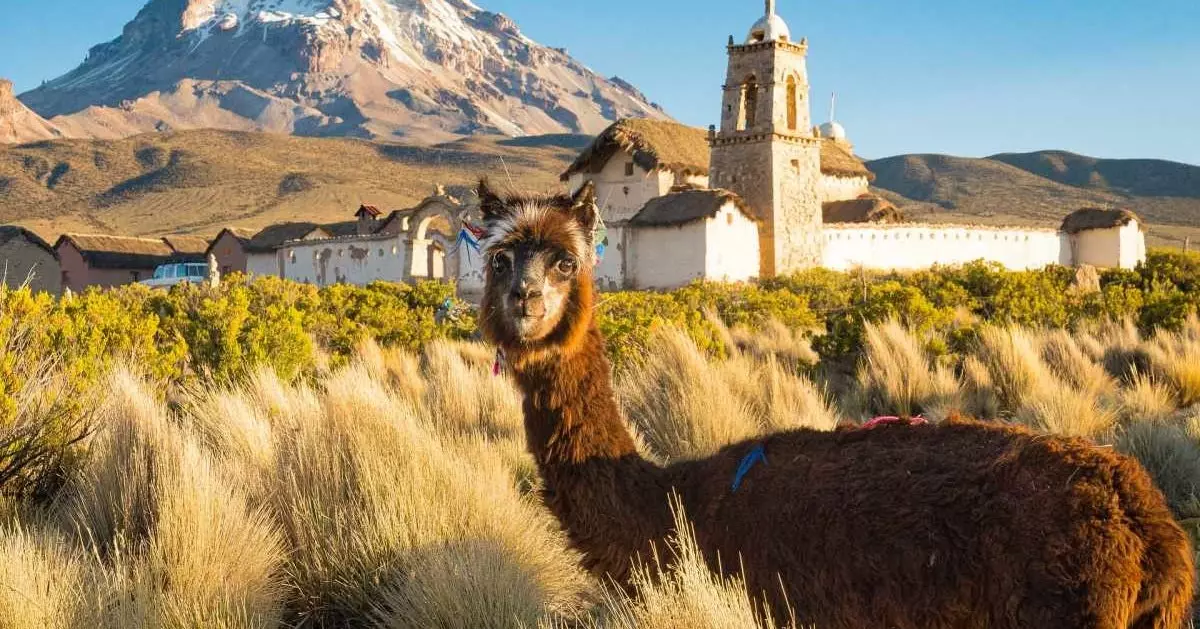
x=770, y=8
x=833, y=107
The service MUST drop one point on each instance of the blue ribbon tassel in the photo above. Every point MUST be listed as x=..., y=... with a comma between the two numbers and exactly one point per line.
x=756, y=454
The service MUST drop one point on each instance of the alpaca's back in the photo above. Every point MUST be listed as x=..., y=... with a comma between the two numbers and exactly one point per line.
x=959, y=525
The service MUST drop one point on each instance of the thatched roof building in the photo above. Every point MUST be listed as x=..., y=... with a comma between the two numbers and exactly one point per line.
x=683, y=150
x=1098, y=218
x=187, y=245
x=684, y=205
x=8, y=233
x=654, y=144
x=838, y=161
x=272, y=236
x=868, y=208
x=119, y=252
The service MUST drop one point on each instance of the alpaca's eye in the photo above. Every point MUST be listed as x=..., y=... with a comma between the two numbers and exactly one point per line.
x=566, y=266
x=499, y=263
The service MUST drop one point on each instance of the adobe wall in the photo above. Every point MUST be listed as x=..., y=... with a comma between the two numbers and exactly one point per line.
x=843, y=188
x=231, y=257
x=621, y=196
x=731, y=246
x=906, y=247
x=355, y=261
x=1122, y=247
x=22, y=261
x=667, y=257
x=264, y=264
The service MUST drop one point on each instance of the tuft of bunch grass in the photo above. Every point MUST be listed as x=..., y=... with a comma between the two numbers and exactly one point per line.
x=897, y=377
x=681, y=593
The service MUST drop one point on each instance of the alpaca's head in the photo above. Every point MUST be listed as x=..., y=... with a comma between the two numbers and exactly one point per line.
x=540, y=254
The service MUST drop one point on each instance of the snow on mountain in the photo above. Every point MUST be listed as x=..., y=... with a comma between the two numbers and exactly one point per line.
x=17, y=123
x=427, y=70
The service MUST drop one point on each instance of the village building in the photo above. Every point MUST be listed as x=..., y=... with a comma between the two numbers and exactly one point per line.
x=106, y=261
x=800, y=185
x=762, y=194
x=28, y=261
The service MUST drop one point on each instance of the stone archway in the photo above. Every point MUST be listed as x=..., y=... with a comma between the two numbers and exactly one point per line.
x=437, y=218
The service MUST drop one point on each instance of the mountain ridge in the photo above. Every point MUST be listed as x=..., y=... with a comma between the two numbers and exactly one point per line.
x=1040, y=187
x=419, y=70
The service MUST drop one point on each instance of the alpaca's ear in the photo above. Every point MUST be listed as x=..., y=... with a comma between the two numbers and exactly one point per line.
x=490, y=204
x=584, y=209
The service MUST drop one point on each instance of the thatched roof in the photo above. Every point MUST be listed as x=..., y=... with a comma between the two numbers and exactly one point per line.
x=1098, y=218
x=838, y=161
x=868, y=208
x=187, y=245
x=684, y=150
x=344, y=228
x=654, y=144
x=684, y=205
x=8, y=233
x=272, y=236
x=120, y=252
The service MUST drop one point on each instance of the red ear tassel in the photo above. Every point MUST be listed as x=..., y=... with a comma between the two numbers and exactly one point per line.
x=498, y=366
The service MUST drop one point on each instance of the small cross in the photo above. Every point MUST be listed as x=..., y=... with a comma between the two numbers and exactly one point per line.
x=770, y=8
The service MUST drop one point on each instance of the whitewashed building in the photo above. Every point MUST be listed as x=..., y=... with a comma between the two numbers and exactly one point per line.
x=797, y=189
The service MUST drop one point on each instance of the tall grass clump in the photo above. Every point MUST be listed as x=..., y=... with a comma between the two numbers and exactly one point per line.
x=680, y=592
x=897, y=378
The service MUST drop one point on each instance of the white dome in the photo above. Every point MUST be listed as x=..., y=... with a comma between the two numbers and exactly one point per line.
x=769, y=28
x=833, y=130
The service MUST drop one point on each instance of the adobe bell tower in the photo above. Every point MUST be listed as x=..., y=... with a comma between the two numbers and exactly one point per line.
x=765, y=150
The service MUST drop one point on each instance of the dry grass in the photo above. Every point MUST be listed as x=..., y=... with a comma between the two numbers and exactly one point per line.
x=681, y=593
x=397, y=492
x=897, y=377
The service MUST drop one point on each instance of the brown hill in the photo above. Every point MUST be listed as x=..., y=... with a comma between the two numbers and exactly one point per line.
x=1041, y=188
x=199, y=181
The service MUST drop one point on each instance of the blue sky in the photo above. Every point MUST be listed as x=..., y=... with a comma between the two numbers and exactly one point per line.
x=1110, y=78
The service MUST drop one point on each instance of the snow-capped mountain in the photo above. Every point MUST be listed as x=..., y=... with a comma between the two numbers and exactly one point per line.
x=17, y=123
x=422, y=69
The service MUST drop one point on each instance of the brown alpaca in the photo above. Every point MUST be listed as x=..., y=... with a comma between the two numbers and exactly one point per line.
x=962, y=525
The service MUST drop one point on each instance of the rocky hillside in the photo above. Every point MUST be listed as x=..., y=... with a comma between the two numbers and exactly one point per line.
x=199, y=181
x=424, y=70
x=18, y=123
x=1041, y=187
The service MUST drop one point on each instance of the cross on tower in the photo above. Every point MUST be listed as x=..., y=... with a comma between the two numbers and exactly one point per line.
x=770, y=8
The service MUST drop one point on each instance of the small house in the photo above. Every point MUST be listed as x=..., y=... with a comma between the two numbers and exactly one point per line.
x=29, y=261
x=105, y=261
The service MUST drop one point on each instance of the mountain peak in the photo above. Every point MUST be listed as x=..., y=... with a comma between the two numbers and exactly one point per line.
x=423, y=69
x=17, y=123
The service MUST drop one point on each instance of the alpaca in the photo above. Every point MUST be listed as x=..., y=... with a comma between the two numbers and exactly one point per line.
x=958, y=525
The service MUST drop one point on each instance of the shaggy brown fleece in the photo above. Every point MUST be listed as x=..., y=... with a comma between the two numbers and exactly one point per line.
x=961, y=525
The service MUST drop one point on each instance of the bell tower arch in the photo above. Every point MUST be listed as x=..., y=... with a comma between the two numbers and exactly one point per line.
x=765, y=150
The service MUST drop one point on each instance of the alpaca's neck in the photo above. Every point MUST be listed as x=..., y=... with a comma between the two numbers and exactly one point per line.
x=610, y=500
x=571, y=413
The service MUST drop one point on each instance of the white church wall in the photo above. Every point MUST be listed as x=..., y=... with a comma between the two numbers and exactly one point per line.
x=358, y=261
x=903, y=247
x=472, y=271
x=731, y=246
x=621, y=196
x=263, y=264
x=667, y=257
x=610, y=272
x=843, y=188
x=1122, y=247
